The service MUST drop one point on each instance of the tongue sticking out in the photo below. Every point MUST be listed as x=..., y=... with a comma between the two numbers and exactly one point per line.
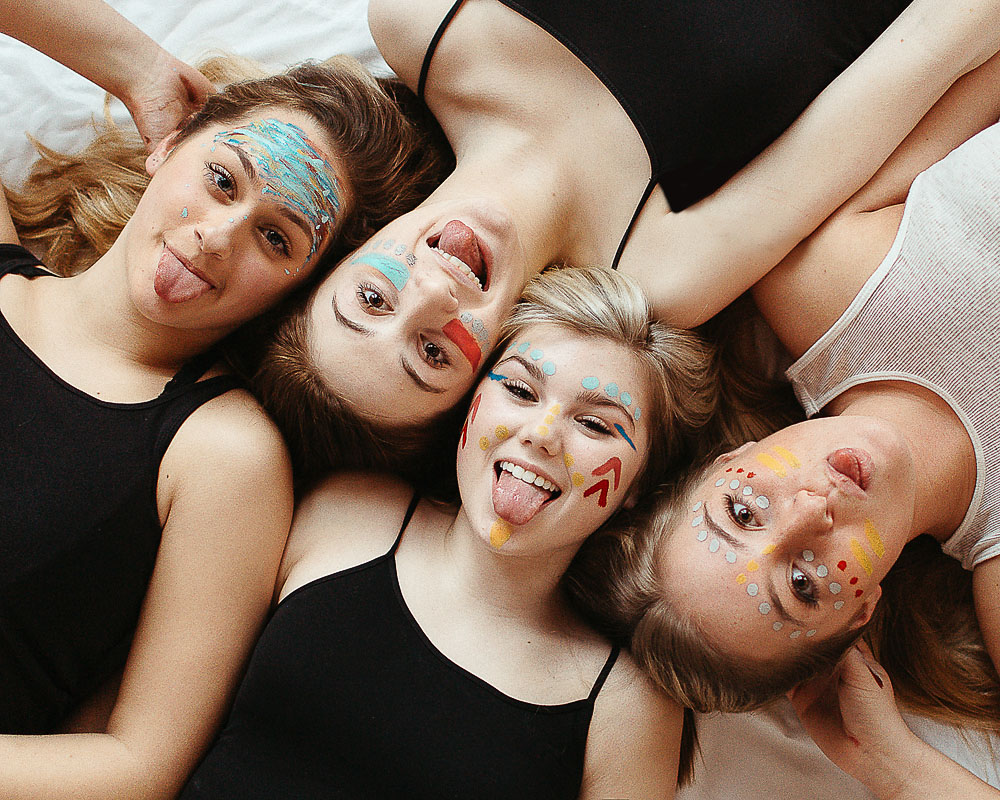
x=517, y=501
x=174, y=282
x=458, y=239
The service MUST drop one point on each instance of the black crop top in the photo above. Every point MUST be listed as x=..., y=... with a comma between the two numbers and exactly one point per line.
x=346, y=697
x=708, y=84
x=79, y=527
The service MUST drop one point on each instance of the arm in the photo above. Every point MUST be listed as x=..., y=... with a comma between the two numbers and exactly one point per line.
x=633, y=747
x=725, y=243
x=225, y=494
x=986, y=592
x=852, y=716
x=93, y=39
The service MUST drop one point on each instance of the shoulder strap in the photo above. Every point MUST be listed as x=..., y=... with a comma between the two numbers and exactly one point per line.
x=422, y=82
x=631, y=224
x=192, y=370
x=406, y=520
x=599, y=683
x=18, y=260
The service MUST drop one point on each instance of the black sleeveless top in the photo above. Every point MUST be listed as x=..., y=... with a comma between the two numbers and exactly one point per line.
x=79, y=527
x=708, y=84
x=345, y=697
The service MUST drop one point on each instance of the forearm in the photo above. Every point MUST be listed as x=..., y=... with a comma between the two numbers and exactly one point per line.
x=919, y=772
x=88, y=36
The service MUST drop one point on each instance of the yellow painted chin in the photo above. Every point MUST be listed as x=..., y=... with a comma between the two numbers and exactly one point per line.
x=500, y=533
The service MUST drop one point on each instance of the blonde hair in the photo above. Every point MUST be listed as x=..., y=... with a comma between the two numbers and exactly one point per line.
x=73, y=206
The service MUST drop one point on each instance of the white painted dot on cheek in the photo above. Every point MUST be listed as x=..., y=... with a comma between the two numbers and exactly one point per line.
x=811, y=633
x=822, y=571
x=734, y=484
x=697, y=506
x=697, y=521
x=764, y=608
x=752, y=589
x=808, y=555
x=835, y=588
x=794, y=634
x=778, y=626
x=702, y=535
x=731, y=557
x=720, y=481
x=838, y=605
x=747, y=491
x=762, y=502
x=713, y=546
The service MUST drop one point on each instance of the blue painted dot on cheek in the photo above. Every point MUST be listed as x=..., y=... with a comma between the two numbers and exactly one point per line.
x=536, y=354
x=626, y=398
x=523, y=347
x=590, y=383
x=184, y=211
x=549, y=368
x=466, y=317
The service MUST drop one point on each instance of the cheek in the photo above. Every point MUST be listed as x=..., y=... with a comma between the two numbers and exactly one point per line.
x=483, y=427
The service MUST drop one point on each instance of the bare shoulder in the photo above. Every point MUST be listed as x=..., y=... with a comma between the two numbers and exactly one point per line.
x=632, y=715
x=347, y=519
x=403, y=32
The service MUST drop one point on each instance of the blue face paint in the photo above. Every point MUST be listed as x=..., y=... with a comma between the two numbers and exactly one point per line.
x=590, y=382
x=296, y=174
x=395, y=270
x=495, y=377
x=624, y=435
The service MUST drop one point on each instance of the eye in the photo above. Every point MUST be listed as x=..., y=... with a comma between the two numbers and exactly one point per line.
x=741, y=513
x=594, y=424
x=371, y=299
x=433, y=354
x=220, y=178
x=519, y=389
x=277, y=241
x=803, y=586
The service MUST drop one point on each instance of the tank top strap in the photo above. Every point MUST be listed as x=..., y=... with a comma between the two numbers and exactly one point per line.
x=422, y=81
x=599, y=683
x=192, y=370
x=635, y=215
x=406, y=521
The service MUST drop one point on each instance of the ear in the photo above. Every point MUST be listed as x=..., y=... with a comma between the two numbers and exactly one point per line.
x=725, y=458
x=864, y=614
x=160, y=152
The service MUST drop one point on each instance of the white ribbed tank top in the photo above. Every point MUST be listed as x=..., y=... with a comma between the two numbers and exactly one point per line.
x=930, y=314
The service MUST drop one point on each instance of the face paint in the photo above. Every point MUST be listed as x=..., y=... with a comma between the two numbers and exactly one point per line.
x=621, y=430
x=500, y=533
x=395, y=270
x=456, y=331
x=473, y=409
x=296, y=173
x=184, y=211
x=477, y=327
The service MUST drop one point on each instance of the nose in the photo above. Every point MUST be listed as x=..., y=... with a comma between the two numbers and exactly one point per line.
x=436, y=289
x=544, y=431
x=808, y=515
x=215, y=234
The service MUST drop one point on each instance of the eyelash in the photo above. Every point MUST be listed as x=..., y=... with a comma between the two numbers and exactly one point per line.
x=595, y=424
x=214, y=173
x=731, y=503
x=519, y=389
x=441, y=360
x=361, y=293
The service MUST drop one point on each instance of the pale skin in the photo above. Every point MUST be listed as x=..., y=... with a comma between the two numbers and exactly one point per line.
x=496, y=609
x=224, y=487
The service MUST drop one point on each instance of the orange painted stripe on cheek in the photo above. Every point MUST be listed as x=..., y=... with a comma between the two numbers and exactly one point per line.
x=456, y=331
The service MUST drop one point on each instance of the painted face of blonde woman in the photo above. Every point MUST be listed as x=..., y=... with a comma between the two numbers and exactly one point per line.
x=784, y=541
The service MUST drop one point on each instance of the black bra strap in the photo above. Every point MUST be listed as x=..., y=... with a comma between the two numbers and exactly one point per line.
x=192, y=370
x=406, y=520
x=422, y=82
x=631, y=224
x=599, y=683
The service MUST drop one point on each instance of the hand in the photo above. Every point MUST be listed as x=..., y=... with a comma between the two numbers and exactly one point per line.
x=852, y=716
x=164, y=97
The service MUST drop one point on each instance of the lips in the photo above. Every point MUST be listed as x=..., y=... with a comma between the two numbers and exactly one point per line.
x=854, y=464
x=519, y=493
x=459, y=243
x=175, y=280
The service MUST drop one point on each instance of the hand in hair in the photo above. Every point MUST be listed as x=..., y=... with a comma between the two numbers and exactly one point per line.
x=852, y=716
x=165, y=97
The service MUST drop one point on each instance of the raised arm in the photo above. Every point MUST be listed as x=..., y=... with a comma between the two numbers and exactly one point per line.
x=852, y=716
x=722, y=245
x=93, y=39
x=225, y=491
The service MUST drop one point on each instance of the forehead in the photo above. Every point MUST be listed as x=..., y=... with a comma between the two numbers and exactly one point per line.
x=551, y=346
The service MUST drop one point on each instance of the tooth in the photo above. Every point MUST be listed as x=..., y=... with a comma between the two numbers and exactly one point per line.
x=539, y=480
x=518, y=471
x=528, y=477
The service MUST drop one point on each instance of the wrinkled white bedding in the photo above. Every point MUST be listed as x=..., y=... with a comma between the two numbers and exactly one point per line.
x=55, y=105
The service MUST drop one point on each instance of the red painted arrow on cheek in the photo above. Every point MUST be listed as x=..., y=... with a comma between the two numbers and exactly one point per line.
x=613, y=463
x=602, y=486
x=472, y=417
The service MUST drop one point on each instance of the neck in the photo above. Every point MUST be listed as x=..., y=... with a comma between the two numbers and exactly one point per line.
x=938, y=444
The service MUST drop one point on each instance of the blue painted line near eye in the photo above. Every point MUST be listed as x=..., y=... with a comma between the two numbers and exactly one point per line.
x=624, y=435
x=494, y=377
x=394, y=270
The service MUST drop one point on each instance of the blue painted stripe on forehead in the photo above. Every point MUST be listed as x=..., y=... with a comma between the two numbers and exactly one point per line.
x=296, y=174
x=392, y=268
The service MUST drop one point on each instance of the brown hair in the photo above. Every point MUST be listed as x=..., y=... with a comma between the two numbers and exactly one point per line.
x=73, y=207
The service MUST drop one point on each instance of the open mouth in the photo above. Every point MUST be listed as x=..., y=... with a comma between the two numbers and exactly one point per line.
x=519, y=493
x=176, y=280
x=459, y=246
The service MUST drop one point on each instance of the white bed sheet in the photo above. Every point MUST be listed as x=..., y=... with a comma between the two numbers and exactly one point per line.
x=41, y=97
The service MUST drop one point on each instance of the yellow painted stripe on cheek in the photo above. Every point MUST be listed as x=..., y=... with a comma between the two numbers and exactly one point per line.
x=772, y=464
x=861, y=556
x=878, y=548
x=788, y=456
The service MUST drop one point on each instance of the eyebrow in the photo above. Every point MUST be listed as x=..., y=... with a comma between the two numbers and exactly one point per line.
x=287, y=213
x=420, y=382
x=348, y=323
x=725, y=535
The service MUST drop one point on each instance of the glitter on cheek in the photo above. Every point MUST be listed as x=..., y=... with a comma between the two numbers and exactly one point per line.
x=184, y=211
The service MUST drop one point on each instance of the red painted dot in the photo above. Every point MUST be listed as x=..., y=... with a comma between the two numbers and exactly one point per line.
x=729, y=470
x=841, y=565
x=858, y=593
x=751, y=474
x=740, y=469
x=854, y=580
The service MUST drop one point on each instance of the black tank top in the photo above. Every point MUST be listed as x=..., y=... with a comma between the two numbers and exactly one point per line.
x=345, y=697
x=708, y=84
x=79, y=527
